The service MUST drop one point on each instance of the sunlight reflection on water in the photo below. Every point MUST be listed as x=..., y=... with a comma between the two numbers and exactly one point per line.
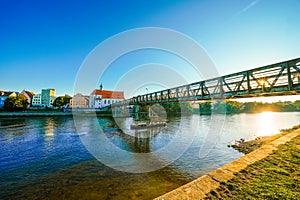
x=266, y=124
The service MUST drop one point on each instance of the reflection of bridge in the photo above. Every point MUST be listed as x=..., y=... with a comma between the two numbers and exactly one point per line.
x=139, y=142
x=277, y=79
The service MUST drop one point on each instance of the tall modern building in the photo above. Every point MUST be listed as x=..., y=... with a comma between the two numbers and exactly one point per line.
x=44, y=99
x=48, y=96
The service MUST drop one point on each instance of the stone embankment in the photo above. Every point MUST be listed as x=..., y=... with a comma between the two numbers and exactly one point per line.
x=202, y=187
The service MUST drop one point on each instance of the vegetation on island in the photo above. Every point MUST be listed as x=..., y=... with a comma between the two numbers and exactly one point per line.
x=218, y=107
x=178, y=107
x=234, y=107
x=164, y=109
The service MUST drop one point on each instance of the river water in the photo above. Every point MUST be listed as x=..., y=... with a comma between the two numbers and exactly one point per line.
x=45, y=158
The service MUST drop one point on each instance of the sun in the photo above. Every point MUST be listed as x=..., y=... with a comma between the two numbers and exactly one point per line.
x=265, y=123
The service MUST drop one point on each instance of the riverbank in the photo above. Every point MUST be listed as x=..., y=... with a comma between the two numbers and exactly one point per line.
x=269, y=172
x=52, y=114
x=34, y=114
x=247, y=146
x=275, y=177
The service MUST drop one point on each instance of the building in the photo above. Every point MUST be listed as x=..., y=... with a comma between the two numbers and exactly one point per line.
x=52, y=99
x=102, y=98
x=44, y=99
x=4, y=95
x=48, y=96
x=79, y=101
x=37, y=100
x=29, y=96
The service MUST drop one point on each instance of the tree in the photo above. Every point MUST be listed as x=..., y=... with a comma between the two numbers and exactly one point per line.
x=205, y=108
x=186, y=107
x=67, y=99
x=233, y=107
x=297, y=105
x=16, y=103
x=58, y=102
x=62, y=101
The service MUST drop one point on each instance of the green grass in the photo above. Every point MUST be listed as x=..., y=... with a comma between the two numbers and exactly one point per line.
x=275, y=177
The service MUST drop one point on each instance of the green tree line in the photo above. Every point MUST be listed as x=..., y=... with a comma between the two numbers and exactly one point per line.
x=233, y=107
x=20, y=103
x=171, y=109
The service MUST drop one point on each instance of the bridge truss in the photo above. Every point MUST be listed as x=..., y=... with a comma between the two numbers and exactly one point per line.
x=277, y=79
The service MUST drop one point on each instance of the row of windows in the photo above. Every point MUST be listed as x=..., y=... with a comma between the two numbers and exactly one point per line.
x=112, y=101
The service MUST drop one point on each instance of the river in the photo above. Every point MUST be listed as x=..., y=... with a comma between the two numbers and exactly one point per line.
x=45, y=157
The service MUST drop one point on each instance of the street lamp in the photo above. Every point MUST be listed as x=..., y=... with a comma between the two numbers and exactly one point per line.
x=147, y=94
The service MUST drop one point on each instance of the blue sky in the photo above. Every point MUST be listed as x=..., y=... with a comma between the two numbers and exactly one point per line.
x=43, y=43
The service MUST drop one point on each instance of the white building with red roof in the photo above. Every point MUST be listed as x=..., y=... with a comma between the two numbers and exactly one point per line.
x=102, y=98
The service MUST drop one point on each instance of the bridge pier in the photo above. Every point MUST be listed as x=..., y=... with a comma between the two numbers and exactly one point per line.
x=152, y=113
x=290, y=80
x=141, y=112
x=136, y=111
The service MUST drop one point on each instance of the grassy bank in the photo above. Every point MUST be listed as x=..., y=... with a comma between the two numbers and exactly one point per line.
x=274, y=177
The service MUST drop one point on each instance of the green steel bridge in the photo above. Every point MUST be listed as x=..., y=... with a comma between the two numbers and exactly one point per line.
x=276, y=79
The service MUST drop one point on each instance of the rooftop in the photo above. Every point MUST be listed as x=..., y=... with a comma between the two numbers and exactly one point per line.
x=107, y=94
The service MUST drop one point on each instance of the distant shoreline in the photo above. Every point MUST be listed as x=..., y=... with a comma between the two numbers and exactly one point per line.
x=88, y=113
x=50, y=114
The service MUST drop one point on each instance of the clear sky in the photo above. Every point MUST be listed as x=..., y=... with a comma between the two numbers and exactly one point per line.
x=43, y=43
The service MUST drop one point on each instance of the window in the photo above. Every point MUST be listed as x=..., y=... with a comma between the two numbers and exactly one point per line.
x=108, y=102
x=105, y=101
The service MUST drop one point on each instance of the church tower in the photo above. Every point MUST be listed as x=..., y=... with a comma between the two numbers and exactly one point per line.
x=101, y=87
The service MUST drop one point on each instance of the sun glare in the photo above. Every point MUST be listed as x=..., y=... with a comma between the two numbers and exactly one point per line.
x=262, y=82
x=269, y=99
x=265, y=124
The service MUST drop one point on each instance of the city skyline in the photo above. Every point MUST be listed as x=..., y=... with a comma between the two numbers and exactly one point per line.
x=45, y=42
